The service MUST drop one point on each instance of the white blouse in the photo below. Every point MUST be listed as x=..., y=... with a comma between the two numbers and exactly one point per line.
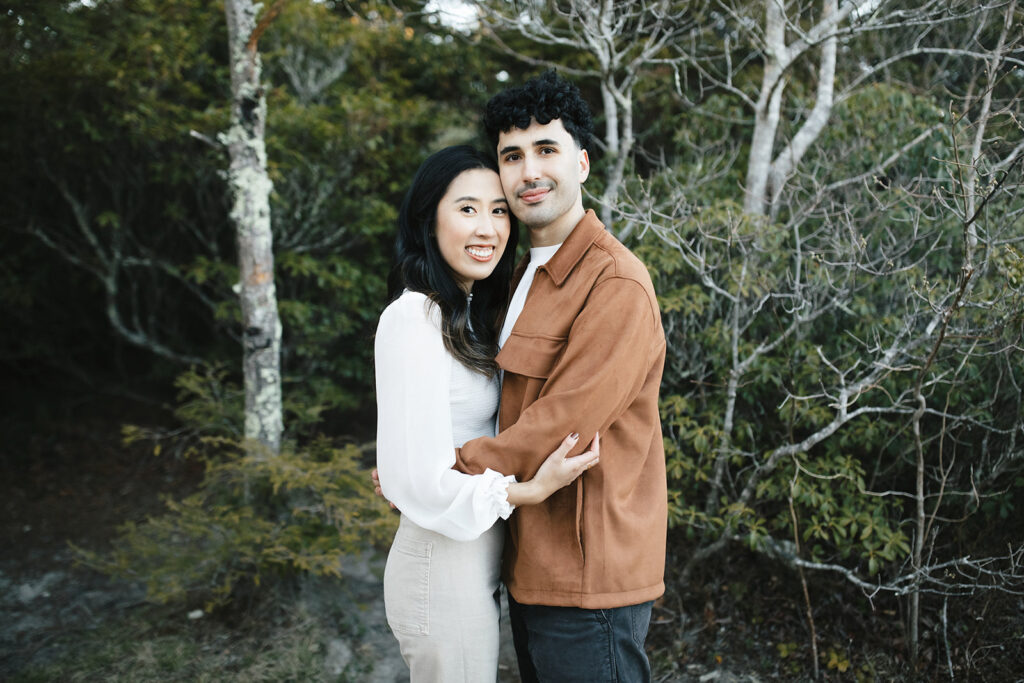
x=428, y=404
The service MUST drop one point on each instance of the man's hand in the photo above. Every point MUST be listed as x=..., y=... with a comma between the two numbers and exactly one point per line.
x=376, y=486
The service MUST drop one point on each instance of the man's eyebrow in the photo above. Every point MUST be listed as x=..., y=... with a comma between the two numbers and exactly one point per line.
x=546, y=142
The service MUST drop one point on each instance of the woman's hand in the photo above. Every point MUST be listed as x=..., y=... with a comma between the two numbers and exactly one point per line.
x=557, y=471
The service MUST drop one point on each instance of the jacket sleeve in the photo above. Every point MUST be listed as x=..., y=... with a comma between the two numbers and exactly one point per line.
x=597, y=376
x=414, y=428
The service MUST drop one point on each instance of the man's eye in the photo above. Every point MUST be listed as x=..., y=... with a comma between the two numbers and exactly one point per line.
x=512, y=157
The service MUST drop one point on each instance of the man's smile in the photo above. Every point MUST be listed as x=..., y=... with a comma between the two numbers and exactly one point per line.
x=534, y=194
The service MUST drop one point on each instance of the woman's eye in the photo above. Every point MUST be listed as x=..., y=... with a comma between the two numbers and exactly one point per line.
x=500, y=211
x=467, y=210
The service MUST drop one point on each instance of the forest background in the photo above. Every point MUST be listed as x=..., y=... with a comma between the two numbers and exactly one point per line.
x=827, y=195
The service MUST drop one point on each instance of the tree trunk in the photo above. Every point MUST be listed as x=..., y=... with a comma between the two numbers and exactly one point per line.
x=766, y=177
x=618, y=108
x=766, y=116
x=611, y=140
x=789, y=158
x=250, y=212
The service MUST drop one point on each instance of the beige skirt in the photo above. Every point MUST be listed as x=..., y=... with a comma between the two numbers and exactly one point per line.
x=441, y=600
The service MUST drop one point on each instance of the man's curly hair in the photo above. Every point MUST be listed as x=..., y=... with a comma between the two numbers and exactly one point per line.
x=544, y=98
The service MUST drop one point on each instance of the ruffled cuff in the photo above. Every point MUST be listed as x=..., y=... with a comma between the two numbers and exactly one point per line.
x=497, y=492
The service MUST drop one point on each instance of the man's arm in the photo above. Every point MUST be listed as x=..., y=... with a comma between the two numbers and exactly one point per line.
x=599, y=374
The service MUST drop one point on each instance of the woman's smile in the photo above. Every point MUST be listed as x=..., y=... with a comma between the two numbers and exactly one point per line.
x=481, y=253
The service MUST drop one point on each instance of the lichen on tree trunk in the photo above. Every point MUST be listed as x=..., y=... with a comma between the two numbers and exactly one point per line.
x=250, y=212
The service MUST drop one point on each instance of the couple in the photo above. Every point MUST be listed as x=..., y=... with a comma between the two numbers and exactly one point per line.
x=579, y=348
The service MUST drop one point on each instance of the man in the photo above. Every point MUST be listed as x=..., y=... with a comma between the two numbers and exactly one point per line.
x=582, y=349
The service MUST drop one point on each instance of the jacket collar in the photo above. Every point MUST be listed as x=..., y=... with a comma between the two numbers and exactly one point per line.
x=574, y=247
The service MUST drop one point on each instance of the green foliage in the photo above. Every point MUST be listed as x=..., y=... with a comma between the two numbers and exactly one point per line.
x=254, y=516
x=357, y=96
x=866, y=126
x=835, y=499
x=106, y=186
x=359, y=100
x=108, y=198
x=835, y=512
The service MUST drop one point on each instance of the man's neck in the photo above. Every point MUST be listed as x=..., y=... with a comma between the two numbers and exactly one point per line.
x=557, y=230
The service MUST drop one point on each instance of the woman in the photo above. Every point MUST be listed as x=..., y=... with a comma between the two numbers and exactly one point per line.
x=437, y=387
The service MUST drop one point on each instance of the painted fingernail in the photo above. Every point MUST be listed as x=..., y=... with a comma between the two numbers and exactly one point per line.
x=574, y=436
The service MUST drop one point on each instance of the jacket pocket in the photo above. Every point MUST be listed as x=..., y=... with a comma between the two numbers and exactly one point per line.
x=580, y=541
x=531, y=356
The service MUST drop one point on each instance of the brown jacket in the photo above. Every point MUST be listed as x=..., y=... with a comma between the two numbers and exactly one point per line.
x=585, y=355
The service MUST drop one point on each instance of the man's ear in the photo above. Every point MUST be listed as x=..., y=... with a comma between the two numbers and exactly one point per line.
x=584, y=165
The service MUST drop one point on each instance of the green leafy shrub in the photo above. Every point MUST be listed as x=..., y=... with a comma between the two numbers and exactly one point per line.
x=254, y=515
x=768, y=321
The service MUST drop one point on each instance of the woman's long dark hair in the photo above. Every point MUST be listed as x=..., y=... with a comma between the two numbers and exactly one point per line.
x=470, y=332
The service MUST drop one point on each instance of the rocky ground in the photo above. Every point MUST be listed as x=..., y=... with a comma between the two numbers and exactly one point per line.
x=40, y=609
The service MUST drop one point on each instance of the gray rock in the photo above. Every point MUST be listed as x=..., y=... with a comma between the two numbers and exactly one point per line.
x=339, y=654
x=33, y=590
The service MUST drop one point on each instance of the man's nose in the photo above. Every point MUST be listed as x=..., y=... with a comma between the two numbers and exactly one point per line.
x=531, y=168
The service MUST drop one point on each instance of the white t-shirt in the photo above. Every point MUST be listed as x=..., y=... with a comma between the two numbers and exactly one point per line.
x=538, y=257
x=428, y=404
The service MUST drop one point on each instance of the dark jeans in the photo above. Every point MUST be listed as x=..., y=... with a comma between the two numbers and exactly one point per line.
x=563, y=644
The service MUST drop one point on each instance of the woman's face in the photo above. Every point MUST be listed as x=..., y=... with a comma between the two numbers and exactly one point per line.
x=472, y=225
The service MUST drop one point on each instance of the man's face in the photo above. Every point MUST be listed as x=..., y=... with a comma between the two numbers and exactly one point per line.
x=541, y=172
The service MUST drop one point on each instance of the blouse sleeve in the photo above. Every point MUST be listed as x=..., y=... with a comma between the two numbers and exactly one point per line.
x=415, y=449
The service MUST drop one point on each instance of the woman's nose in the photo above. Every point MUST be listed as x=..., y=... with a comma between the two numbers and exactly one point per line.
x=485, y=226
